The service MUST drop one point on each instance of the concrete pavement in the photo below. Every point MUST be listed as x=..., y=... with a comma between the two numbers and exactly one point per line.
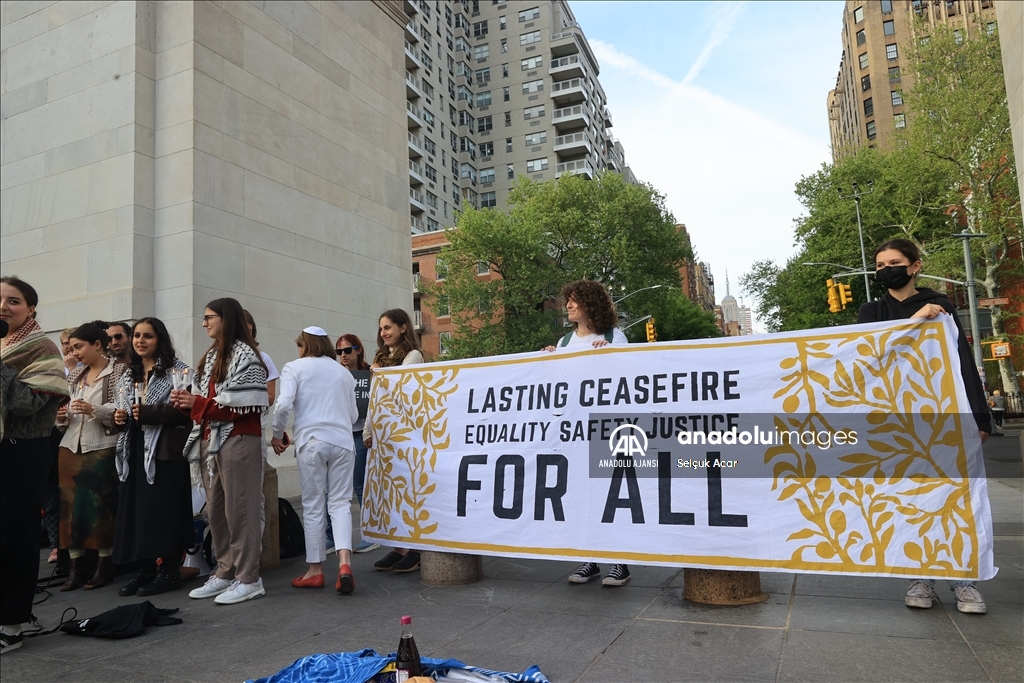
x=812, y=628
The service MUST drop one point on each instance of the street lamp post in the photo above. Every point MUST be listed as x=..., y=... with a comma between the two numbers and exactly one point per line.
x=972, y=299
x=637, y=292
x=857, y=194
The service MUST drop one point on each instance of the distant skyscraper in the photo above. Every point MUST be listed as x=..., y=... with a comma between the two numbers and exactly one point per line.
x=730, y=311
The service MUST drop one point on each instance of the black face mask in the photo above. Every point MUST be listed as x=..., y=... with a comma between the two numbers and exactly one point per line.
x=893, y=277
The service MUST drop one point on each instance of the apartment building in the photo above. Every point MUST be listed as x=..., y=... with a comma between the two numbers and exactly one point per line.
x=497, y=91
x=866, y=106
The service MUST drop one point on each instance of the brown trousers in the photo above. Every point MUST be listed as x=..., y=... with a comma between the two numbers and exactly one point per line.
x=234, y=496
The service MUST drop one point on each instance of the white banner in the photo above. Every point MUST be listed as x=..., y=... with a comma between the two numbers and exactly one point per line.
x=849, y=450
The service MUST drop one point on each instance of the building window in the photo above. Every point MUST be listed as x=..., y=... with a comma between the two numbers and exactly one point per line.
x=508, y=118
x=468, y=172
x=487, y=199
x=433, y=225
x=889, y=27
x=897, y=97
x=429, y=147
x=465, y=94
x=529, y=14
x=894, y=74
x=487, y=175
x=861, y=37
x=440, y=270
x=958, y=36
x=444, y=309
x=483, y=76
x=480, y=29
x=865, y=82
x=858, y=15
x=485, y=123
x=532, y=63
x=483, y=99
x=511, y=171
x=869, y=107
x=504, y=48
x=483, y=267
x=431, y=172
x=487, y=148
x=529, y=38
x=899, y=120
x=431, y=199
x=892, y=53
x=863, y=60
x=533, y=112
x=871, y=130
x=886, y=6
x=536, y=138
x=444, y=343
x=482, y=51
x=504, y=70
x=508, y=145
x=536, y=165
x=533, y=86
x=468, y=146
x=990, y=28
x=466, y=120
x=501, y=23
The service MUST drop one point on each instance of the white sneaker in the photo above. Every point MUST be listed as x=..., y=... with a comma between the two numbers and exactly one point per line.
x=920, y=595
x=969, y=600
x=211, y=589
x=240, y=592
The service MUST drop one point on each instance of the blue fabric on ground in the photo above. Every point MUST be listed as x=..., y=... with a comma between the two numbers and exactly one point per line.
x=357, y=667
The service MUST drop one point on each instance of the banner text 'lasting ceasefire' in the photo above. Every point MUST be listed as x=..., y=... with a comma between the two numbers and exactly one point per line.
x=608, y=391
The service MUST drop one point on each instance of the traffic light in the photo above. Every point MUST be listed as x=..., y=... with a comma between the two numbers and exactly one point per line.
x=845, y=294
x=833, y=297
x=652, y=334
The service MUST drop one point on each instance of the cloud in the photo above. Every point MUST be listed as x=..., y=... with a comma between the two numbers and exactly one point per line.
x=725, y=15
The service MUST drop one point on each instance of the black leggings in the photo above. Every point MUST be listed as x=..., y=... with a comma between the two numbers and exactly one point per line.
x=24, y=465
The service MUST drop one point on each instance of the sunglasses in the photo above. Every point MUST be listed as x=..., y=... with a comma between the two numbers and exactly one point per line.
x=347, y=350
x=117, y=337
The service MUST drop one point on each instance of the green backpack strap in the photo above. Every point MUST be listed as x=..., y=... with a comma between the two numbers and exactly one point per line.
x=609, y=335
x=565, y=339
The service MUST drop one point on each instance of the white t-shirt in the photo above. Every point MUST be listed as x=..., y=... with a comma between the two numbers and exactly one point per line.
x=272, y=372
x=577, y=342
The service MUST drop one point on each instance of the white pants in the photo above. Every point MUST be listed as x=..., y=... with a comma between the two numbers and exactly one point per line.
x=324, y=466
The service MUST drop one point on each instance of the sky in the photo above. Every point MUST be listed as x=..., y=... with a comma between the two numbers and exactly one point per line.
x=721, y=106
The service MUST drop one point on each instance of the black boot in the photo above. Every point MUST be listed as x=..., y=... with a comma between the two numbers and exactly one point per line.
x=104, y=574
x=167, y=579
x=145, y=574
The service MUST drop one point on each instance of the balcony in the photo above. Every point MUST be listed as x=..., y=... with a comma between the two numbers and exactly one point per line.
x=415, y=172
x=412, y=56
x=607, y=117
x=568, y=118
x=574, y=143
x=414, y=114
x=568, y=67
x=416, y=276
x=412, y=33
x=581, y=167
x=417, y=319
x=409, y=7
x=416, y=223
x=416, y=201
x=415, y=146
x=413, y=85
x=571, y=91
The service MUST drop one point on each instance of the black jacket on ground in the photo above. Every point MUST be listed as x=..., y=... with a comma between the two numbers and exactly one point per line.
x=888, y=308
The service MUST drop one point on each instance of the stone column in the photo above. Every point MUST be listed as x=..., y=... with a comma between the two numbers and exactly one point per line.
x=270, y=557
x=717, y=587
x=450, y=569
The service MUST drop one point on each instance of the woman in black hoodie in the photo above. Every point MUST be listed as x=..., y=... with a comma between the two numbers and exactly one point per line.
x=897, y=263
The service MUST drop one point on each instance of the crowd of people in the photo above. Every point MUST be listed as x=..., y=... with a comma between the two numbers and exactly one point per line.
x=104, y=433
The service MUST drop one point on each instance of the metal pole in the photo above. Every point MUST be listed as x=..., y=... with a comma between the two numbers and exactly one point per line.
x=972, y=299
x=863, y=254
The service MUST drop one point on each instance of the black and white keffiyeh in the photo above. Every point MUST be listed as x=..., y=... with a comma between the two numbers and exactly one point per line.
x=243, y=390
x=158, y=391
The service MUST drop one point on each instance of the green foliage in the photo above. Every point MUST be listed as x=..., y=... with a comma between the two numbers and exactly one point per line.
x=675, y=318
x=549, y=234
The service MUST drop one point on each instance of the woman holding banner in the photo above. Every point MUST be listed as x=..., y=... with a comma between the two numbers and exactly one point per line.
x=897, y=264
x=397, y=344
x=590, y=309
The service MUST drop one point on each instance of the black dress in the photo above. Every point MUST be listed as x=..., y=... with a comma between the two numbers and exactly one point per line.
x=153, y=520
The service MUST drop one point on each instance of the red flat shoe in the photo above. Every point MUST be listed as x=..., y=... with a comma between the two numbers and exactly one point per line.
x=346, y=582
x=310, y=582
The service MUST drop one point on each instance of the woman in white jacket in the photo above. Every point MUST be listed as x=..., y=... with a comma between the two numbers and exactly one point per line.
x=318, y=396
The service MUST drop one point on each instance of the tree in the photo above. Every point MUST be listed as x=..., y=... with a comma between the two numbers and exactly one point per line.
x=675, y=318
x=549, y=234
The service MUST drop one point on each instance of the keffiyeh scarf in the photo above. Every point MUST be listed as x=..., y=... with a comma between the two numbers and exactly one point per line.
x=157, y=391
x=37, y=361
x=243, y=390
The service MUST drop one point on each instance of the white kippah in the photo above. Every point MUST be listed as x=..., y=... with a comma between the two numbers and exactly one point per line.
x=316, y=331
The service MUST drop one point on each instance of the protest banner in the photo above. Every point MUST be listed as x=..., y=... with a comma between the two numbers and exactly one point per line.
x=849, y=450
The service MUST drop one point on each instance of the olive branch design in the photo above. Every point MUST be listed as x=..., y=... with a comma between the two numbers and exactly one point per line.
x=893, y=377
x=403, y=407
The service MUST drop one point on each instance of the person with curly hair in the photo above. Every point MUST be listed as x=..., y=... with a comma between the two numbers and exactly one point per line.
x=594, y=320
